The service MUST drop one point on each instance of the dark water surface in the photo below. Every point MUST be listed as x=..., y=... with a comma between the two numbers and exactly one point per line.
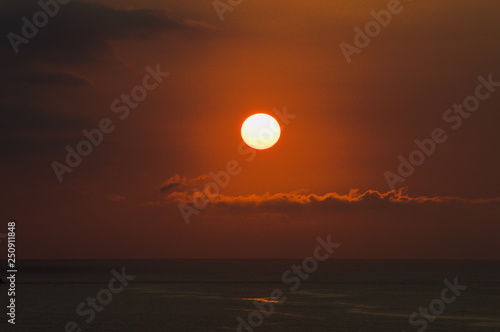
x=210, y=295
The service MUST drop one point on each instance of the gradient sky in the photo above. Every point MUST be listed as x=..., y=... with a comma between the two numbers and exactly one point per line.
x=324, y=176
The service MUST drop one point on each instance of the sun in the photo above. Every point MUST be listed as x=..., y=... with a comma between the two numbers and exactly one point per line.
x=260, y=131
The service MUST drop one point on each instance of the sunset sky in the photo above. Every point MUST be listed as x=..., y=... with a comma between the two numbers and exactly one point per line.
x=347, y=125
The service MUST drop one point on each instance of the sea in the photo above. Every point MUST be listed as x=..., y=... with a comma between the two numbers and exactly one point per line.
x=209, y=295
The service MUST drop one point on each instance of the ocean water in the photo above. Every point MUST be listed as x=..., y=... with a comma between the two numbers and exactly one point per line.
x=210, y=295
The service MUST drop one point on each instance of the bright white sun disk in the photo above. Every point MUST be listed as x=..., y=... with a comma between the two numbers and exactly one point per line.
x=260, y=131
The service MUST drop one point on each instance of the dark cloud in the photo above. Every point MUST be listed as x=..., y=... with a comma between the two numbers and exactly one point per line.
x=81, y=31
x=171, y=183
x=16, y=117
x=27, y=128
x=370, y=199
x=79, y=34
x=182, y=190
x=178, y=184
x=41, y=78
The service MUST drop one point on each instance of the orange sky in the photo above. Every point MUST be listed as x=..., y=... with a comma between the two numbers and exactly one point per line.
x=352, y=122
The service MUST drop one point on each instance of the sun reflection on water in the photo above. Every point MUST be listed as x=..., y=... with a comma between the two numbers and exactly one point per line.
x=261, y=299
